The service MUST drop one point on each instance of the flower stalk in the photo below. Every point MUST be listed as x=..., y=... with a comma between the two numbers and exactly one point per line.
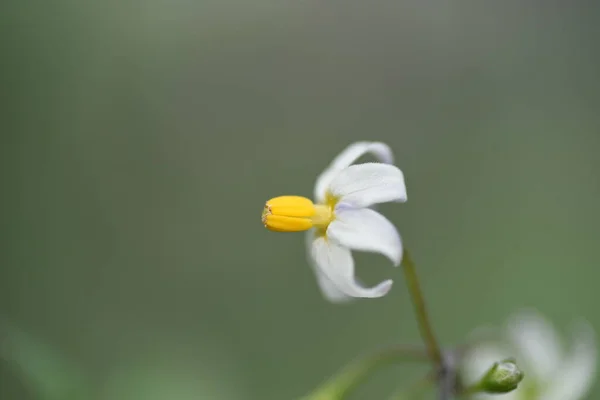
x=445, y=375
x=416, y=294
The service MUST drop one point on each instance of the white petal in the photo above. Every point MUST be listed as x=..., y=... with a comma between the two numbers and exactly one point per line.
x=479, y=359
x=365, y=230
x=328, y=289
x=380, y=151
x=336, y=263
x=577, y=372
x=365, y=184
x=537, y=344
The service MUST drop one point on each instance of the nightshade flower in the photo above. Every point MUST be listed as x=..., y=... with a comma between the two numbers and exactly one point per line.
x=340, y=220
x=550, y=373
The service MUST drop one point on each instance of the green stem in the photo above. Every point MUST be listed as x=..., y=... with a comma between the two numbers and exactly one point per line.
x=345, y=381
x=473, y=389
x=410, y=274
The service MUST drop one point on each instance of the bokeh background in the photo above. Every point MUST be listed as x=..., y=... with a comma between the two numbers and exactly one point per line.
x=140, y=139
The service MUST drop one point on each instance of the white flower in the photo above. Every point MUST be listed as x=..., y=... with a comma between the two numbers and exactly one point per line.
x=340, y=219
x=550, y=373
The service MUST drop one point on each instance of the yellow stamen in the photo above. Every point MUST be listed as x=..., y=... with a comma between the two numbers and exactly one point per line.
x=295, y=213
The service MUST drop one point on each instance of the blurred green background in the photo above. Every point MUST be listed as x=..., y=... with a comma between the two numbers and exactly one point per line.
x=140, y=140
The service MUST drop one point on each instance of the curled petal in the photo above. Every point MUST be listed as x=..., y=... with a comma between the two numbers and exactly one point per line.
x=537, y=342
x=577, y=371
x=365, y=184
x=329, y=290
x=366, y=230
x=335, y=263
x=380, y=151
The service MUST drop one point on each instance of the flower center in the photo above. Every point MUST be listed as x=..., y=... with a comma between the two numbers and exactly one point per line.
x=296, y=213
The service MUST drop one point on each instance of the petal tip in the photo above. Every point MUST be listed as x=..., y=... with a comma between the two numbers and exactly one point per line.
x=383, y=288
x=403, y=199
x=396, y=256
x=387, y=284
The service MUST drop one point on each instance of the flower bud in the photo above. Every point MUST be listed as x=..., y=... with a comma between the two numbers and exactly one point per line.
x=502, y=377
